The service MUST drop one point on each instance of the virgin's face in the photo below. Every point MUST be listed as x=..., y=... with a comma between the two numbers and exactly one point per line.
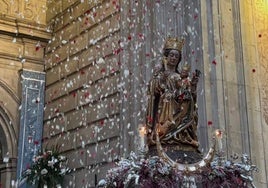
x=173, y=57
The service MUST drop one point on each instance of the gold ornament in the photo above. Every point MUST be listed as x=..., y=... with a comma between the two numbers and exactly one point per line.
x=174, y=43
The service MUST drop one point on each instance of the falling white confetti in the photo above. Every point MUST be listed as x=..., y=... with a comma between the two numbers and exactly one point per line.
x=126, y=73
x=100, y=61
x=6, y=159
x=13, y=183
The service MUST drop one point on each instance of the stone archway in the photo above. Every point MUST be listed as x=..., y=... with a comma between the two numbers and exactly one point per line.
x=9, y=105
x=8, y=143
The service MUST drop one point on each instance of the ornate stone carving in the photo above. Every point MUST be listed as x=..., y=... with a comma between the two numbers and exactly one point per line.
x=32, y=10
x=4, y=7
x=28, y=9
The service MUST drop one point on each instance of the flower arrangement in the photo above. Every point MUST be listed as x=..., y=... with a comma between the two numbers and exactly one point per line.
x=48, y=169
x=154, y=172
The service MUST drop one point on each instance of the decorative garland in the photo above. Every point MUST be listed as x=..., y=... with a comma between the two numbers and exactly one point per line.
x=154, y=172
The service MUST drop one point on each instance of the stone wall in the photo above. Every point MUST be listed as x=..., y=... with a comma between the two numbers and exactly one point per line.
x=82, y=94
x=223, y=65
x=254, y=19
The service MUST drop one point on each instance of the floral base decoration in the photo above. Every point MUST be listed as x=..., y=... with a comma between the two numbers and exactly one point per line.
x=154, y=172
x=48, y=169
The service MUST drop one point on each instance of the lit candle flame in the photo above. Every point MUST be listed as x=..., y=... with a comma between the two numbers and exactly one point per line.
x=143, y=131
x=218, y=133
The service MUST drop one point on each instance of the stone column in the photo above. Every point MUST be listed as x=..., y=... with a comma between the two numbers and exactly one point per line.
x=254, y=27
x=225, y=94
x=31, y=121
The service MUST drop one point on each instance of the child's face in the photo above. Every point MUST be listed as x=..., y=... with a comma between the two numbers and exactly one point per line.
x=184, y=73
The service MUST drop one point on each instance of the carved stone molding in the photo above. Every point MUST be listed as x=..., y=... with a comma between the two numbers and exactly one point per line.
x=18, y=27
x=10, y=91
x=31, y=10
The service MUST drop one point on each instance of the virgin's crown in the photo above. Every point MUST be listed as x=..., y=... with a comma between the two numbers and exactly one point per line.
x=174, y=43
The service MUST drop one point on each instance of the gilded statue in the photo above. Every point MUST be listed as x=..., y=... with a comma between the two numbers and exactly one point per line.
x=172, y=109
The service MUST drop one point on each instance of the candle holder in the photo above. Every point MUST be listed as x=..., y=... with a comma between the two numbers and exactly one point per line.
x=220, y=153
x=142, y=148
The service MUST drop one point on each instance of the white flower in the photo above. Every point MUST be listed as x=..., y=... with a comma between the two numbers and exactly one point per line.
x=50, y=163
x=62, y=158
x=36, y=158
x=63, y=171
x=102, y=182
x=44, y=171
x=28, y=171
